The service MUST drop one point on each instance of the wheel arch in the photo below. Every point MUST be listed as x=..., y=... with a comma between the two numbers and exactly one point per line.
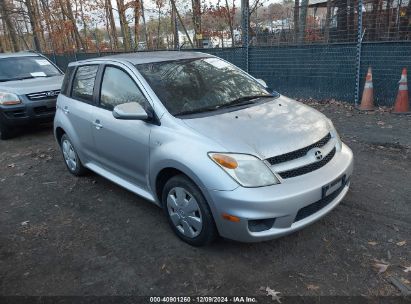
x=167, y=172
x=59, y=132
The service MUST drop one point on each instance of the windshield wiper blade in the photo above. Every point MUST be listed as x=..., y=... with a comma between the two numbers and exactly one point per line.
x=201, y=110
x=17, y=78
x=245, y=100
x=237, y=102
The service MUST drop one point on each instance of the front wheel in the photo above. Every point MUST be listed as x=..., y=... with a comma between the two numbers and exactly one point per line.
x=187, y=211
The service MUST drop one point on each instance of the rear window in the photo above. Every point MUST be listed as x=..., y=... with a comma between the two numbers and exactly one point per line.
x=18, y=68
x=83, y=83
x=65, y=90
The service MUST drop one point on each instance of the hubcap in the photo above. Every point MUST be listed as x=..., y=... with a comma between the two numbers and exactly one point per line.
x=69, y=155
x=184, y=212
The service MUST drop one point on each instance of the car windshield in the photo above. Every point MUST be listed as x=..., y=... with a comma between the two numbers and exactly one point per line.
x=18, y=68
x=201, y=84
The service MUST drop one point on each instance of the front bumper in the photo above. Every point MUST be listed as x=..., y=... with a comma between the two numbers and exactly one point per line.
x=28, y=112
x=278, y=205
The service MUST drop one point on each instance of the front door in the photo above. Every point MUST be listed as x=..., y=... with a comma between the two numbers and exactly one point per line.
x=122, y=146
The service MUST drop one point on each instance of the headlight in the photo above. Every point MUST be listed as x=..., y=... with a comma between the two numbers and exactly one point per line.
x=9, y=99
x=247, y=170
x=335, y=135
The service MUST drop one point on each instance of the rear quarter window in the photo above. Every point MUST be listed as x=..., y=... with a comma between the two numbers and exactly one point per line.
x=83, y=83
x=65, y=89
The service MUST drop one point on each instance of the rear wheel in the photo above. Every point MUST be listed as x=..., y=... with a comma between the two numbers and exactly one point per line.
x=71, y=158
x=187, y=211
x=5, y=131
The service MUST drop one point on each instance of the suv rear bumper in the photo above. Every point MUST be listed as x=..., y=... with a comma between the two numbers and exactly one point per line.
x=27, y=113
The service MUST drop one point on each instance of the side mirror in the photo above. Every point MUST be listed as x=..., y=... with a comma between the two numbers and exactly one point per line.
x=262, y=82
x=130, y=111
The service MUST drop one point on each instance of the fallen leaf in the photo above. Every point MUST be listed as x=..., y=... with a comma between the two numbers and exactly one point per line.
x=381, y=267
x=402, y=243
x=407, y=269
x=372, y=243
x=313, y=287
x=274, y=294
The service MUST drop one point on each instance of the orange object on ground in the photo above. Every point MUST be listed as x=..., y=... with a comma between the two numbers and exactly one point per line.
x=367, y=101
x=402, y=104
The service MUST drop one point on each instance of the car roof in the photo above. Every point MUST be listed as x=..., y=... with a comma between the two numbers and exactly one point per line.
x=146, y=57
x=19, y=54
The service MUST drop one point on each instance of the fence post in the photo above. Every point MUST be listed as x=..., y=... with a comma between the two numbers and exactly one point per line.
x=358, y=58
x=244, y=29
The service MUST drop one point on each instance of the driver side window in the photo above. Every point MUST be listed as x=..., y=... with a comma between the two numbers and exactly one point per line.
x=117, y=88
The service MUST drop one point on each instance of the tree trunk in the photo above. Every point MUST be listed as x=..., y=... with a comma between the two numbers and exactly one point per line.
x=196, y=4
x=296, y=18
x=9, y=25
x=303, y=21
x=83, y=20
x=33, y=24
x=230, y=22
x=144, y=22
x=137, y=15
x=181, y=22
x=327, y=22
x=110, y=15
x=125, y=30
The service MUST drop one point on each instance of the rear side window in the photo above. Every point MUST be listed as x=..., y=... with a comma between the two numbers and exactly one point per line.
x=65, y=86
x=83, y=83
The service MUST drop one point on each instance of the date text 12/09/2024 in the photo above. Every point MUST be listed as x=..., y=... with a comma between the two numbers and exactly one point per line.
x=203, y=299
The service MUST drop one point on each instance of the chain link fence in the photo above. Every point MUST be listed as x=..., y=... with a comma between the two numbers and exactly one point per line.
x=320, y=71
x=326, y=56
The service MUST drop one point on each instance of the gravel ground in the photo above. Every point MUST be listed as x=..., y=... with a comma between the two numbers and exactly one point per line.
x=61, y=235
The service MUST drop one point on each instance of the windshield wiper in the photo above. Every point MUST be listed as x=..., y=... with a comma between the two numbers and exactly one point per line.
x=17, y=78
x=201, y=110
x=245, y=100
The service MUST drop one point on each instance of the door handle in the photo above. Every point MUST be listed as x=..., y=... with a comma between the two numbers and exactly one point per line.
x=97, y=124
x=66, y=110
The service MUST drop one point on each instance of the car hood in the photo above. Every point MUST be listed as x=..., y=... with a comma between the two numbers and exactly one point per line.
x=265, y=130
x=33, y=85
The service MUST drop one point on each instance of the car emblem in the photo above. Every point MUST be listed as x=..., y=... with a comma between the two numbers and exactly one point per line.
x=318, y=155
x=50, y=94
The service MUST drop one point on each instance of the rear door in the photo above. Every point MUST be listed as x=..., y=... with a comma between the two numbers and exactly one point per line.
x=122, y=145
x=78, y=105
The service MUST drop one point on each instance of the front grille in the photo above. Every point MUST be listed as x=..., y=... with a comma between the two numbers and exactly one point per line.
x=299, y=153
x=44, y=95
x=318, y=205
x=44, y=110
x=309, y=168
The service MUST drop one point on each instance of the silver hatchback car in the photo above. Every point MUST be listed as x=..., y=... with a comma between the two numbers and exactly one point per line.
x=220, y=152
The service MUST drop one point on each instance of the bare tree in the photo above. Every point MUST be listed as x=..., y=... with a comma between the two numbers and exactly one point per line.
x=125, y=30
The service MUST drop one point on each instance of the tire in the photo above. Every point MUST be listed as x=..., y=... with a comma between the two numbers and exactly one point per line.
x=5, y=132
x=188, y=212
x=70, y=157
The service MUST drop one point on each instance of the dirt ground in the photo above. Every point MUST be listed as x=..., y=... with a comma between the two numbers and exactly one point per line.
x=62, y=235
